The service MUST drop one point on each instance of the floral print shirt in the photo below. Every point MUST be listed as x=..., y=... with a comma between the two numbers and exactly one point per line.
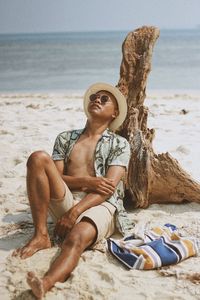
x=111, y=149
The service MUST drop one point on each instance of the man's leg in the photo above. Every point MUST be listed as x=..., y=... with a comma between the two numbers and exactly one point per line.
x=43, y=182
x=81, y=236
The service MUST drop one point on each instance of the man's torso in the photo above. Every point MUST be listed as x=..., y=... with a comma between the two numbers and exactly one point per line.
x=81, y=160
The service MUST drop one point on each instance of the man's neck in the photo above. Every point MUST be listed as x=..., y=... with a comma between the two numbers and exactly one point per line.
x=94, y=129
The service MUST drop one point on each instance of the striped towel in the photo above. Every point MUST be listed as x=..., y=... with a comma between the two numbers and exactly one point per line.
x=161, y=246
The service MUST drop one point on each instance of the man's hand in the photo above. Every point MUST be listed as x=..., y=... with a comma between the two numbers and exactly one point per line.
x=65, y=223
x=101, y=185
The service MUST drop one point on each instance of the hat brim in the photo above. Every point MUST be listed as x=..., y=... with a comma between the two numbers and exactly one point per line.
x=121, y=101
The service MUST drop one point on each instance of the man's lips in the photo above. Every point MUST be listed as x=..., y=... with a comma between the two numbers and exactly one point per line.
x=95, y=105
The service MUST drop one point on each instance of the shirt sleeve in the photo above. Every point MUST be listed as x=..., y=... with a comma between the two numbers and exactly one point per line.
x=120, y=153
x=60, y=146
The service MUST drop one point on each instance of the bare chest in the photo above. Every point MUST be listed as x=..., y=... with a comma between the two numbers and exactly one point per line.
x=81, y=159
x=83, y=150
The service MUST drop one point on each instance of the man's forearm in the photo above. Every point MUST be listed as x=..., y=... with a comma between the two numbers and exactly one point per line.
x=90, y=200
x=75, y=182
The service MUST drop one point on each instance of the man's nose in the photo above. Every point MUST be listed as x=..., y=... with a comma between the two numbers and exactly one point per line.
x=98, y=99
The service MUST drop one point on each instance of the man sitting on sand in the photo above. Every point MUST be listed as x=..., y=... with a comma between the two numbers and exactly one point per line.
x=81, y=186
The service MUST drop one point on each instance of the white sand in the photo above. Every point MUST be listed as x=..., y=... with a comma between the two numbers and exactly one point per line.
x=31, y=122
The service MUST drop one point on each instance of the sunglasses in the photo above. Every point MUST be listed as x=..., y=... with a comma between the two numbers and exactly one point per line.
x=103, y=98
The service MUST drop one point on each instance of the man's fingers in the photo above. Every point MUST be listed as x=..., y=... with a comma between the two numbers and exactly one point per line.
x=108, y=186
x=109, y=181
x=106, y=191
x=56, y=229
x=61, y=229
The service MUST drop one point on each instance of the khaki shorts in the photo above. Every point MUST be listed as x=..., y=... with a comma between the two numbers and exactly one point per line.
x=103, y=215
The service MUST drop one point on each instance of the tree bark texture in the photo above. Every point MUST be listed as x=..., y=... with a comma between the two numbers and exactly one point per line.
x=152, y=178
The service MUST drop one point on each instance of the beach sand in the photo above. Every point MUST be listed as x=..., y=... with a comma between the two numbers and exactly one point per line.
x=31, y=122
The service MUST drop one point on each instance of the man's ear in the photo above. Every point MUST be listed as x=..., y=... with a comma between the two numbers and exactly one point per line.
x=116, y=113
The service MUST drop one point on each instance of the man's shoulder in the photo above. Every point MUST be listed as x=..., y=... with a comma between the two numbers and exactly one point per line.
x=118, y=138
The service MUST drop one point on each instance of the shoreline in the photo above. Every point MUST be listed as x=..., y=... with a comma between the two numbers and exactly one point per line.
x=80, y=92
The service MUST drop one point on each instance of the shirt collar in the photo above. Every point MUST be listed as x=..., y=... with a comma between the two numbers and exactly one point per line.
x=106, y=133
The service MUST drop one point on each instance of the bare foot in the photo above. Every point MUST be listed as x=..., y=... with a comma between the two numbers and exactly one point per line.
x=35, y=244
x=35, y=284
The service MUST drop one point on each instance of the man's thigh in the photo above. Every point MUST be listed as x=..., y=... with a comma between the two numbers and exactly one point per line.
x=56, y=184
x=103, y=218
x=57, y=207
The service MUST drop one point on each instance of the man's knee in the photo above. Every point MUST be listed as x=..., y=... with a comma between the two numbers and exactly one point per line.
x=82, y=235
x=74, y=240
x=38, y=159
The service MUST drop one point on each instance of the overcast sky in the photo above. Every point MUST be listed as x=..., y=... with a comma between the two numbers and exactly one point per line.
x=89, y=15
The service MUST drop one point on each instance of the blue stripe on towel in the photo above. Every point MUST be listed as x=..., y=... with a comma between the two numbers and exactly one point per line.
x=167, y=255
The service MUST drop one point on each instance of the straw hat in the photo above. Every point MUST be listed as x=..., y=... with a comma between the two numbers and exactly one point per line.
x=121, y=101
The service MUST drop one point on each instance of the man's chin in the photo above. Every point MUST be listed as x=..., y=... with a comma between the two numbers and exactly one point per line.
x=94, y=108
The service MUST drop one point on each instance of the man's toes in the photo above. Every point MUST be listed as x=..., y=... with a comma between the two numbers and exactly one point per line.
x=20, y=252
x=35, y=284
x=30, y=275
x=26, y=253
x=16, y=252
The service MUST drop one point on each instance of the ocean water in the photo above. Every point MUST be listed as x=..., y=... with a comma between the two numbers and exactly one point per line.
x=72, y=61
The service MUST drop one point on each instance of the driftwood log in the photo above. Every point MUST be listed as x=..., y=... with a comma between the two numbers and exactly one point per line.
x=152, y=178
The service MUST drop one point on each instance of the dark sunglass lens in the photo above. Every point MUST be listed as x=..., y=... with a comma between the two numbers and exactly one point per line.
x=93, y=97
x=104, y=98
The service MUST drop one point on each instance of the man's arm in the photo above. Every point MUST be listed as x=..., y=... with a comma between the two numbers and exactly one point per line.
x=102, y=185
x=114, y=173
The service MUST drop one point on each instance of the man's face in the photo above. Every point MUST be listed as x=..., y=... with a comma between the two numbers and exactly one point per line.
x=103, y=104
